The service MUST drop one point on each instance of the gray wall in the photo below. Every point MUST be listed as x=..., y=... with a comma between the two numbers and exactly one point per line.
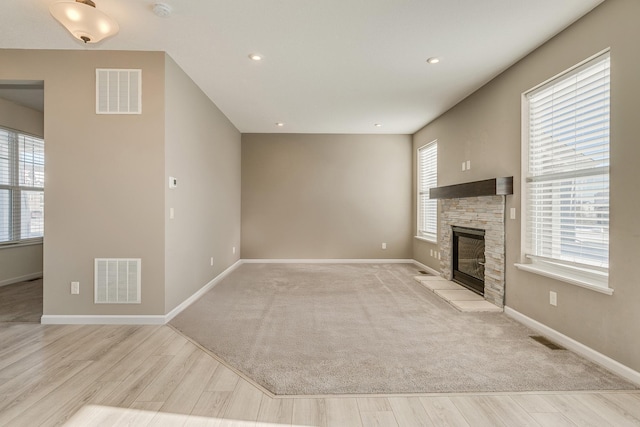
x=105, y=175
x=22, y=262
x=326, y=196
x=485, y=128
x=203, y=152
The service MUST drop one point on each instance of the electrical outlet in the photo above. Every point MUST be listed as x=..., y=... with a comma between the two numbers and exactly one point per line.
x=75, y=288
x=384, y=246
x=553, y=298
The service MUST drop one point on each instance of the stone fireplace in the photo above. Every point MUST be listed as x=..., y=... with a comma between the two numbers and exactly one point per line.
x=478, y=206
x=483, y=213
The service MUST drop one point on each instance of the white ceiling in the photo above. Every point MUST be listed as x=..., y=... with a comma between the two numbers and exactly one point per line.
x=331, y=66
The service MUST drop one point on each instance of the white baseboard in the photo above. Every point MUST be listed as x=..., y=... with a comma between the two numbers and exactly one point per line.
x=186, y=303
x=575, y=346
x=328, y=261
x=19, y=279
x=426, y=268
x=55, y=319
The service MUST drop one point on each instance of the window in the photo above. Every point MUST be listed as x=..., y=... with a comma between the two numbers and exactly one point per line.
x=566, y=174
x=427, y=179
x=21, y=187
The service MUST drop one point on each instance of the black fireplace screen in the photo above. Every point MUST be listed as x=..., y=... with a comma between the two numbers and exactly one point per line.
x=468, y=258
x=471, y=257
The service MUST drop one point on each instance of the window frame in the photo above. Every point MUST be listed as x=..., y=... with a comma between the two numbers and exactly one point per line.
x=15, y=189
x=587, y=276
x=426, y=234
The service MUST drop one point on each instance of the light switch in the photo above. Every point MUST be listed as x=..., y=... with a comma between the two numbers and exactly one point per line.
x=171, y=213
x=513, y=213
x=464, y=166
x=468, y=164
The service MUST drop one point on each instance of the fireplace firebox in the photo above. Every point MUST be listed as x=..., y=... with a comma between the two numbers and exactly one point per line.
x=468, y=258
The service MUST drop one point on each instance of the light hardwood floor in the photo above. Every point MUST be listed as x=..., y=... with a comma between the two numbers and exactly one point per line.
x=151, y=375
x=21, y=302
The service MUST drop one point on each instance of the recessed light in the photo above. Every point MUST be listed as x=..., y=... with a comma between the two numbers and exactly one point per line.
x=255, y=57
x=378, y=125
x=433, y=60
x=279, y=124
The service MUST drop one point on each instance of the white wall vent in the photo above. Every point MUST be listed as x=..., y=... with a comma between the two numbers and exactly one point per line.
x=117, y=281
x=118, y=91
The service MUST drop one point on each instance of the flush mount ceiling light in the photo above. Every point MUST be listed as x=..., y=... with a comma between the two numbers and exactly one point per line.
x=255, y=57
x=433, y=60
x=83, y=20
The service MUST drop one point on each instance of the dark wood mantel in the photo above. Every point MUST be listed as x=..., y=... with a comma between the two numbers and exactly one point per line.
x=488, y=187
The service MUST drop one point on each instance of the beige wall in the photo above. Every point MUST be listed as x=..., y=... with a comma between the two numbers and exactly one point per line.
x=21, y=118
x=485, y=128
x=203, y=152
x=23, y=262
x=19, y=263
x=326, y=196
x=104, y=175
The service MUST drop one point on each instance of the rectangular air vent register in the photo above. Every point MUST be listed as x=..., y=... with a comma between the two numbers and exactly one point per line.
x=118, y=91
x=117, y=280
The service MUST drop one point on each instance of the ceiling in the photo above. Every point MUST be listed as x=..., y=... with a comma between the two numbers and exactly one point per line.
x=330, y=66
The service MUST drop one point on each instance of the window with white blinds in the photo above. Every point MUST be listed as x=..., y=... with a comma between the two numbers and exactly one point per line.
x=427, y=179
x=567, y=170
x=21, y=187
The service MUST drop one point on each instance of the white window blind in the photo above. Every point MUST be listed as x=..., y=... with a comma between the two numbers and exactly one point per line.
x=21, y=187
x=567, y=173
x=427, y=179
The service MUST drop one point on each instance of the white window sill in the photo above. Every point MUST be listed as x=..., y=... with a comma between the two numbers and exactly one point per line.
x=427, y=239
x=585, y=280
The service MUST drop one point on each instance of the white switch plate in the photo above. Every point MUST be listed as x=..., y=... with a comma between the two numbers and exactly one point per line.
x=233, y=250
x=431, y=252
x=513, y=213
x=468, y=164
x=173, y=182
x=464, y=166
x=438, y=255
x=384, y=246
x=553, y=298
x=211, y=261
x=75, y=288
x=171, y=213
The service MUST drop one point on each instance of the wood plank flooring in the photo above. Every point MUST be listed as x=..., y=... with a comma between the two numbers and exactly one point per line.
x=21, y=302
x=150, y=375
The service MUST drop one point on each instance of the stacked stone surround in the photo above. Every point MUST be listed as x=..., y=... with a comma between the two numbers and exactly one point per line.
x=484, y=213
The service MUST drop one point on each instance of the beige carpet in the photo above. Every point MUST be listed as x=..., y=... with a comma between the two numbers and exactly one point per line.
x=304, y=329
